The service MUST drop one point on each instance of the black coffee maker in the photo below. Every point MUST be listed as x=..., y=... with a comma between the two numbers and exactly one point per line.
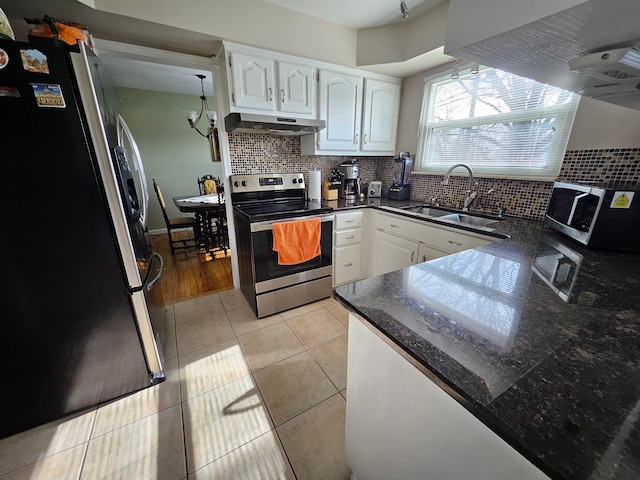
x=400, y=189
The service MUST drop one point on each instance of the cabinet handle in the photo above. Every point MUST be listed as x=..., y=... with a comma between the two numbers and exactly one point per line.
x=233, y=97
x=424, y=258
x=270, y=94
x=284, y=99
x=457, y=244
x=350, y=221
x=349, y=238
x=394, y=226
x=365, y=138
x=355, y=139
x=413, y=254
x=348, y=264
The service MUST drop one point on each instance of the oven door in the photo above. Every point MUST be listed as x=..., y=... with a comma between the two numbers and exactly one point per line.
x=265, y=259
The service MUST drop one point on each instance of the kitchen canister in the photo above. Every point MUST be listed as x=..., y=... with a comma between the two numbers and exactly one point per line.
x=315, y=185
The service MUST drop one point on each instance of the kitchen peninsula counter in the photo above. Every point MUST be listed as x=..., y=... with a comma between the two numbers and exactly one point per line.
x=555, y=374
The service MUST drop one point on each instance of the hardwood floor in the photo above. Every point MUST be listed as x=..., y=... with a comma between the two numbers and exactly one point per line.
x=189, y=273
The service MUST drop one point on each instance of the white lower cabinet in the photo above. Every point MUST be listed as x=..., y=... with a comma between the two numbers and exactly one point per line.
x=347, y=247
x=396, y=238
x=402, y=425
x=426, y=253
x=392, y=253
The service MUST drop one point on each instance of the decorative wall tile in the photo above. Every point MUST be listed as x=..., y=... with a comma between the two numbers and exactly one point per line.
x=254, y=153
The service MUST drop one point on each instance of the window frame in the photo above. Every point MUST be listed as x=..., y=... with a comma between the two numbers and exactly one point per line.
x=564, y=114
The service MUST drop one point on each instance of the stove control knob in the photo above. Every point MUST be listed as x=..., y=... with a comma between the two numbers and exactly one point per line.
x=236, y=183
x=244, y=183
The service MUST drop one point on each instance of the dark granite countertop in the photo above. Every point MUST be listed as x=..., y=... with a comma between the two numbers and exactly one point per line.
x=555, y=371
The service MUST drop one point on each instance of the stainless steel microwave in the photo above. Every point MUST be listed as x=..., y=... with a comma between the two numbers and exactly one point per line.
x=603, y=218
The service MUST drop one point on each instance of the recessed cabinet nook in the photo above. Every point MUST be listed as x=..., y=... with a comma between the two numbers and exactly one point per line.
x=360, y=108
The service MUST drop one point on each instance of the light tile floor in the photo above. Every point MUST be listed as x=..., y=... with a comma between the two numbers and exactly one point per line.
x=244, y=399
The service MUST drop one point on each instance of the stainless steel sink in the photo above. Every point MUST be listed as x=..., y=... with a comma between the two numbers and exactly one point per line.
x=455, y=216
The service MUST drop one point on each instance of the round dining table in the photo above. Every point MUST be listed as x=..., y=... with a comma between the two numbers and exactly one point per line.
x=211, y=228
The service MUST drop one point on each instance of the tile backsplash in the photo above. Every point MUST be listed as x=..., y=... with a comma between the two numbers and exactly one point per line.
x=254, y=153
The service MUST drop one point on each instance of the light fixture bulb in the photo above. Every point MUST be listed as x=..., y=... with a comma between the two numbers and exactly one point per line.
x=475, y=68
x=455, y=73
x=404, y=10
x=192, y=115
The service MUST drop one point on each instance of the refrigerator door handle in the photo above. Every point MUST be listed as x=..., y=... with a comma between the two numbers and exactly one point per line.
x=155, y=280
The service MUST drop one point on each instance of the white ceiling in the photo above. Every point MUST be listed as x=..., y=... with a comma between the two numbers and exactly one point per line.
x=357, y=13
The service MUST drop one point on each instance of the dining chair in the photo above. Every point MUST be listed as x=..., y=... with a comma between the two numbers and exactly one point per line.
x=175, y=224
x=208, y=184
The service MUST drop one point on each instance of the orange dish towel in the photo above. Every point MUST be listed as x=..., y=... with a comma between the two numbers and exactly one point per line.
x=296, y=242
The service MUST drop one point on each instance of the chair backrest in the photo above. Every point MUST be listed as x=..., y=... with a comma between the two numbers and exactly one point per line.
x=208, y=184
x=163, y=206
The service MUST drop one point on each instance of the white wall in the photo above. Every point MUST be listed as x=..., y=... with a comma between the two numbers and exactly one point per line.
x=253, y=22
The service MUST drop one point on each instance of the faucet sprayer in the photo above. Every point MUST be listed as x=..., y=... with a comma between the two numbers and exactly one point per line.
x=500, y=202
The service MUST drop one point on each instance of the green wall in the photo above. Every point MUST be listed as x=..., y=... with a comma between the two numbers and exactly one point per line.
x=171, y=152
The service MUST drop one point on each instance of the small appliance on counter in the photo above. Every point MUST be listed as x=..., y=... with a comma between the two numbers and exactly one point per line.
x=400, y=189
x=350, y=181
x=605, y=217
x=375, y=189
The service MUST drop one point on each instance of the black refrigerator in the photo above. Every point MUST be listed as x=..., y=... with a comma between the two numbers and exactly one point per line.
x=82, y=316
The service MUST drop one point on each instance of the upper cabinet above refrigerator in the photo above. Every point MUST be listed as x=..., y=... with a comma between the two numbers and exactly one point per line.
x=588, y=47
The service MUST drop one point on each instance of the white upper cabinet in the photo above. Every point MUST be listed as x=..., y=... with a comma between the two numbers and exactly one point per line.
x=360, y=108
x=361, y=114
x=260, y=83
x=297, y=88
x=253, y=82
x=380, y=116
x=340, y=107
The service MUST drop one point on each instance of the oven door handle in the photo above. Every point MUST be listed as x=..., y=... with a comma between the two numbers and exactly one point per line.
x=268, y=225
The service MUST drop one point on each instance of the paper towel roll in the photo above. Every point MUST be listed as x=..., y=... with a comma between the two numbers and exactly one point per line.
x=315, y=184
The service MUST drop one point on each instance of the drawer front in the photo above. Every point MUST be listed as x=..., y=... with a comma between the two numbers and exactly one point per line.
x=348, y=220
x=452, y=242
x=396, y=225
x=346, y=264
x=347, y=237
x=441, y=238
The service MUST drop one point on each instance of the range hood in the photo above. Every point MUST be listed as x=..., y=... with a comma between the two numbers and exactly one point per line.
x=271, y=125
x=592, y=48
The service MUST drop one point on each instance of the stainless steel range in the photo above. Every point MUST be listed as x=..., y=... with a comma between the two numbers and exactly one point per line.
x=259, y=202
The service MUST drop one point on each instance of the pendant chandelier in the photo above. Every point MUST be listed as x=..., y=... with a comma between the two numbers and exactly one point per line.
x=194, y=117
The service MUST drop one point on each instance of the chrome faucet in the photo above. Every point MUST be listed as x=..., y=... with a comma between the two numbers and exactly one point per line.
x=500, y=202
x=471, y=193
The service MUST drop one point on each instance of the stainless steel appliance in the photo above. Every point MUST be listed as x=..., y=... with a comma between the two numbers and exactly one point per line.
x=259, y=201
x=557, y=265
x=273, y=125
x=82, y=309
x=375, y=189
x=400, y=188
x=600, y=217
x=350, y=181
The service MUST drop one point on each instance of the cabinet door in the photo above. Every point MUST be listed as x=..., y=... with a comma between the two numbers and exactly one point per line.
x=297, y=88
x=426, y=253
x=392, y=253
x=341, y=108
x=380, y=117
x=253, y=81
